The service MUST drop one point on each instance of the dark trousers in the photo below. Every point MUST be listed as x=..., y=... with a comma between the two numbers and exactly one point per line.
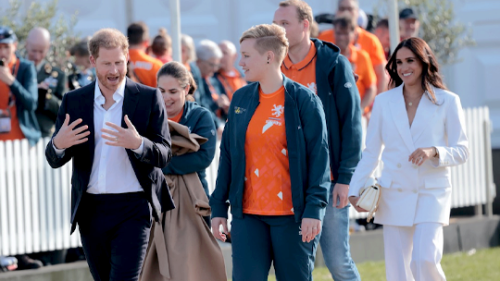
x=259, y=240
x=115, y=232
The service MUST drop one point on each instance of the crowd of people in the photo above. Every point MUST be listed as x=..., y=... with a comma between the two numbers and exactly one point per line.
x=289, y=122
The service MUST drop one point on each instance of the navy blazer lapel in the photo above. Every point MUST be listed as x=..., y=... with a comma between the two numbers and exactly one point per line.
x=130, y=100
x=87, y=114
x=423, y=117
x=400, y=118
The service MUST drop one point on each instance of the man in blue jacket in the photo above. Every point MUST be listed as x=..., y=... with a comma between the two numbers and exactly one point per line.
x=18, y=102
x=319, y=66
x=210, y=90
x=18, y=92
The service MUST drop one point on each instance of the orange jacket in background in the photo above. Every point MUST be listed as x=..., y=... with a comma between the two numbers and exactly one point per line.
x=366, y=41
x=362, y=65
x=231, y=81
x=145, y=67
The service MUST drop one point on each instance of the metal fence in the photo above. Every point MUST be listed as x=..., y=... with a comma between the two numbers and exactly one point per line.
x=35, y=199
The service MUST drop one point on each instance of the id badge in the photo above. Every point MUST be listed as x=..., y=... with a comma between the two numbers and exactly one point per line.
x=5, y=124
x=5, y=121
x=51, y=81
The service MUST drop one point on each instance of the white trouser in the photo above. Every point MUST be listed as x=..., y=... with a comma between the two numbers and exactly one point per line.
x=414, y=253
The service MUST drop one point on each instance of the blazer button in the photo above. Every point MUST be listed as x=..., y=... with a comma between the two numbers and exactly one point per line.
x=415, y=191
x=399, y=165
x=400, y=189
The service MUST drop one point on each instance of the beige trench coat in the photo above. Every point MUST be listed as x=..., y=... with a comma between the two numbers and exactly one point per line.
x=184, y=249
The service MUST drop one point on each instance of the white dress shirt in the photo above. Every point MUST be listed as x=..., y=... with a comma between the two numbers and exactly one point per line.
x=112, y=171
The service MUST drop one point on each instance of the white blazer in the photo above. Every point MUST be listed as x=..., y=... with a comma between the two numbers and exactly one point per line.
x=412, y=194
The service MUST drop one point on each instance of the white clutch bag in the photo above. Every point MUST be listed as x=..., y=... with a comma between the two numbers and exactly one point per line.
x=369, y=198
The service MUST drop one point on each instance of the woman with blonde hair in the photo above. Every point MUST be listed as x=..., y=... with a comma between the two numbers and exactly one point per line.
x=273, y=166
x=417, y=129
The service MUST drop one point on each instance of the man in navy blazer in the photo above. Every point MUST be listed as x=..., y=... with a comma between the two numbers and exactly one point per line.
x=117, y=135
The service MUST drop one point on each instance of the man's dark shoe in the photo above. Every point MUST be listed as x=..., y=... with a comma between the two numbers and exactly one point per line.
x=25, y=262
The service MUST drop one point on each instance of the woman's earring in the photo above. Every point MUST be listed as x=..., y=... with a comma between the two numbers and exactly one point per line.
x=267, y=62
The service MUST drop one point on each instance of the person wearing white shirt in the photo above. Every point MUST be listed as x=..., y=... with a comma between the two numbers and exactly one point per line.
x=116, y=133
x=417, y=130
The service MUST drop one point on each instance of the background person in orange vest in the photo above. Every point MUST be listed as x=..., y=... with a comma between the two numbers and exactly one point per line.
x=18, y=92
x=144, y=66
x=344, y=27
x=230, y=78
x=18, y=102
x=365, y=40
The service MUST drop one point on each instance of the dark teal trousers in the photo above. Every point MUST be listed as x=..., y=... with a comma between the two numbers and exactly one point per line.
x=258, y=241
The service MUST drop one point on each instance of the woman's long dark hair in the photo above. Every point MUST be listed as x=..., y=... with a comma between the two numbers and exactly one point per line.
x=430, y=66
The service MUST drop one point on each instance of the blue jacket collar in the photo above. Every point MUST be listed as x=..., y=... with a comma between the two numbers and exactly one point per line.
x=328, y=54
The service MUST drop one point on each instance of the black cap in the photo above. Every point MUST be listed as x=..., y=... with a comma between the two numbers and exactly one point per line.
x=7, y=35
x=324, y=18
x=407, y=14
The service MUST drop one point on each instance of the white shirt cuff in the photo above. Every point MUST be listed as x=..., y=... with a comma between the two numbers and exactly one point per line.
x=140, y=149
x=59, y=152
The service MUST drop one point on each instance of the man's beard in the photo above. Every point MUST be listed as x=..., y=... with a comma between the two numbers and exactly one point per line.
x=107, y=84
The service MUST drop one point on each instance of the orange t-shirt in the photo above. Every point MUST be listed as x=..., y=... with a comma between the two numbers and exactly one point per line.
x=145, y=67
x=231, y=81
x=15, y=129
x=362, y=65
x=366, y=41
x=303, y=72
x=268, y=189
x=177, y=117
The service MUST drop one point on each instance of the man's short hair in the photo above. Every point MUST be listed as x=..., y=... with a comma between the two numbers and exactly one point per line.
x=355, y=2
x=270, y=37
x=80, y=48
x=107, y=38
x=230, y=46
x=345, y=20
x=383, y=23
x=208, y=49
x=304, y=11
x=137, y=33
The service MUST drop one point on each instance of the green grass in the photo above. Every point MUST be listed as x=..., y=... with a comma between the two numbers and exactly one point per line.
x=483, y=265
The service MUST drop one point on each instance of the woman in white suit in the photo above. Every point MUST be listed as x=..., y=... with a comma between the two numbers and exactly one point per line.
x=417, y=131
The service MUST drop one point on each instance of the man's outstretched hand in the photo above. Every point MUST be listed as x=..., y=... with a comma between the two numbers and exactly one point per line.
x=69, y=136
x=127, y=138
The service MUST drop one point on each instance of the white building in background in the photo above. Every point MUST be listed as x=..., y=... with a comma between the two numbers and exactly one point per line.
x=476, y=79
